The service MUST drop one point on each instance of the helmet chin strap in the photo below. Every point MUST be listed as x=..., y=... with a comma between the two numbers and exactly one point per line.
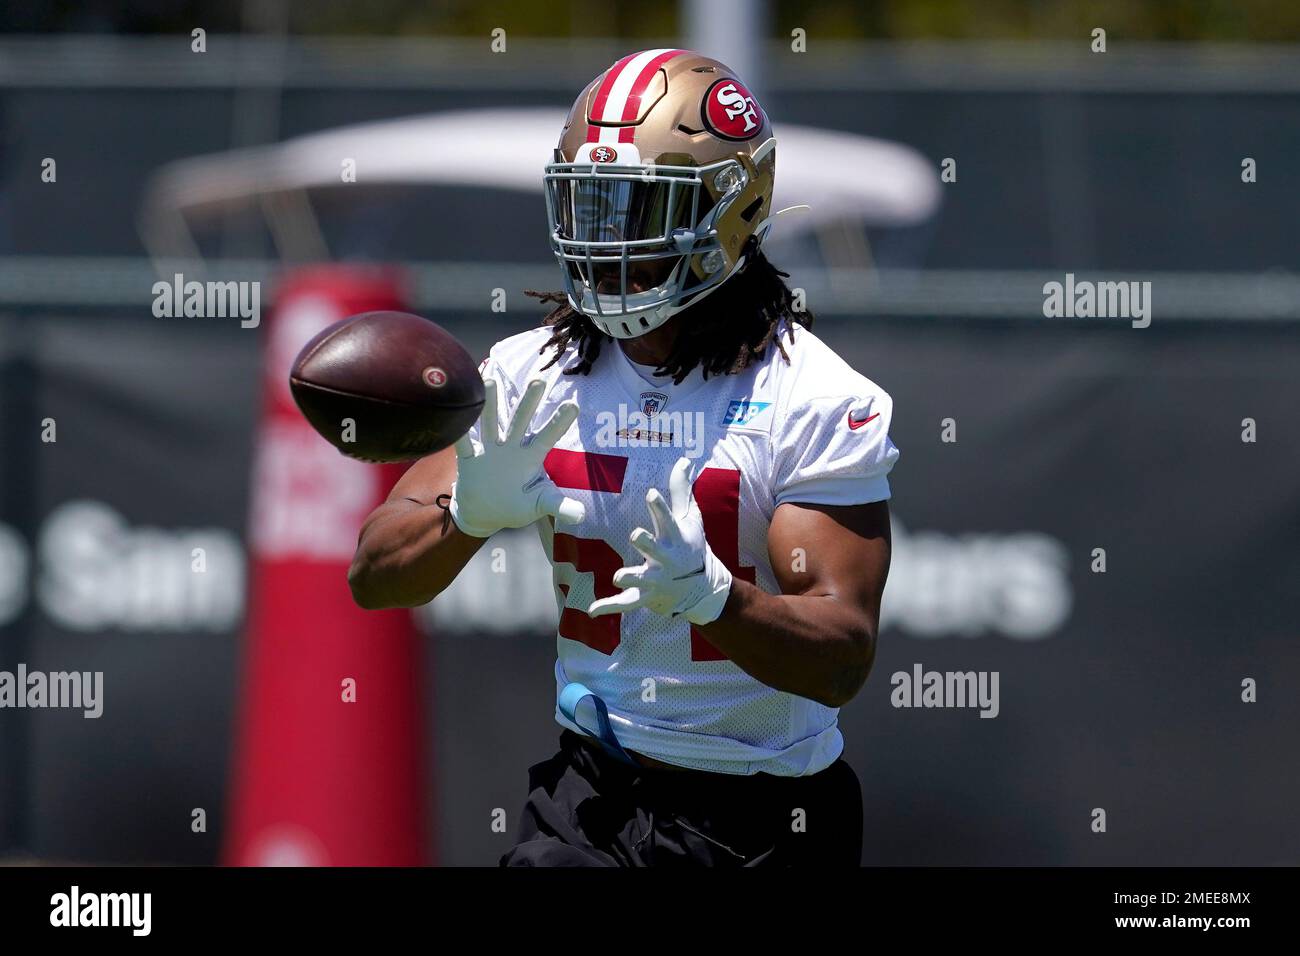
x=740, y=264
x=658, y=315
x=665, y=312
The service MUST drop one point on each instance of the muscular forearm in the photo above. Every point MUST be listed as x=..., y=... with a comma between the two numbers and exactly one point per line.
x=812, y=645
x=406, y=556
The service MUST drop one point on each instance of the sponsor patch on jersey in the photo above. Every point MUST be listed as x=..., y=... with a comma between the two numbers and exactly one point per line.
x=652, y=403
x=742, y=412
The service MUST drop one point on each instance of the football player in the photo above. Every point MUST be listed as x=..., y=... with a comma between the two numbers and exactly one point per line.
x=708, y=479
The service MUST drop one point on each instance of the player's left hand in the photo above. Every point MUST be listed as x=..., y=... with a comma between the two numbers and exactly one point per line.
x=680, y=575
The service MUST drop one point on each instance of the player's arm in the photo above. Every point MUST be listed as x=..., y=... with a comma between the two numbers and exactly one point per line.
x=817, y=638
x=408, y=551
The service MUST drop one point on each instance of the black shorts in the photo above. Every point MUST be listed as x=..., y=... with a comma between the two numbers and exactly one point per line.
x=586, y=808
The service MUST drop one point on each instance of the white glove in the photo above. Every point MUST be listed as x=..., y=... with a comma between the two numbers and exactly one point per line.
x=500, y=482
x=681, y=575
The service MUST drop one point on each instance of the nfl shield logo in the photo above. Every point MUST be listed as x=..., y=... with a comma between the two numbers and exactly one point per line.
x=652, y=403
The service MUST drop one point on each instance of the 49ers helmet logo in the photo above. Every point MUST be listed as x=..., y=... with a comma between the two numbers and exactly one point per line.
x=731, y=111
x=604, y=154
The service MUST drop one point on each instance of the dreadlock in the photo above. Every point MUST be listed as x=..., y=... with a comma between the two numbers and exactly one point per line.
x=723, y=333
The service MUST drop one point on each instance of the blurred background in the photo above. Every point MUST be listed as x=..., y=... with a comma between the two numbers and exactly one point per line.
x=165, y=520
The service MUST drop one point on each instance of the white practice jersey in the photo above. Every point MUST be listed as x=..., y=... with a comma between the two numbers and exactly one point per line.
x=812, y=430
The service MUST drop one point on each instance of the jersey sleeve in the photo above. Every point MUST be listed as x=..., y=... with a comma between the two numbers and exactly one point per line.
x=502, y=366
x=835, y=450
x=491, y=369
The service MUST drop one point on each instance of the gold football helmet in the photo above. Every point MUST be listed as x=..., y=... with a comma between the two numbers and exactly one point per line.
x=662, y=176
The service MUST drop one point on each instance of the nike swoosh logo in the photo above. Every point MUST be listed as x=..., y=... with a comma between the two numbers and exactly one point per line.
x=855, y=425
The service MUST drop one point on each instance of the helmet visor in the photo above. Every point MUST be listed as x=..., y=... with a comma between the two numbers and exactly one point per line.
x=603, y=209
x=626, y=236
x=622, y=226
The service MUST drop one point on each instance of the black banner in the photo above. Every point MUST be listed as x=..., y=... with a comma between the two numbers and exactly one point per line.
x=1140, y=714
x=331, y=905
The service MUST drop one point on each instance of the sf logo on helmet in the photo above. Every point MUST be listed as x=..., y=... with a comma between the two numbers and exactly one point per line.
x=731, y=111
x=603, y=154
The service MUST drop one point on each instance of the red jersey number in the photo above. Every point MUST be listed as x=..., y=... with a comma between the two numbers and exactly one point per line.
x=717, y=493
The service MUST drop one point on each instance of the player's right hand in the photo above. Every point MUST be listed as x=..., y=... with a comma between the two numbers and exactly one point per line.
x=499, y=481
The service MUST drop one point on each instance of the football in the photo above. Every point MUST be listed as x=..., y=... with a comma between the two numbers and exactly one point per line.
x=387, y=386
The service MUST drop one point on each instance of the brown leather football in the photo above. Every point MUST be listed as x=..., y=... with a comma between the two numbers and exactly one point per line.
x=387, y=386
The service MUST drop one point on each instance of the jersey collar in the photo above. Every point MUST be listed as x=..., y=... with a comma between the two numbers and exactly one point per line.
x=638, y=378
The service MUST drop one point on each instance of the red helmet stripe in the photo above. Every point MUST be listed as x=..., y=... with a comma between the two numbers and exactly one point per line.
x=618, y=100
x=602, y=96
x=633, y=105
